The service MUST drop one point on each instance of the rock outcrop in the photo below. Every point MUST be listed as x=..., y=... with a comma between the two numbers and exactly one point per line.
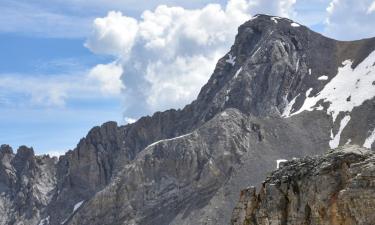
x=265, y=101
x=337, y=188
x=27, y=184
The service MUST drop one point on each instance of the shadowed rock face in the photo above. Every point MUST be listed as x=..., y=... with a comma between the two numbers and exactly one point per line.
x=336, y=188
x=187, y=166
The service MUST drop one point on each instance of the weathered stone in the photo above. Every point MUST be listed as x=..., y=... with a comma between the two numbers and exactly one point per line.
x=336, y=188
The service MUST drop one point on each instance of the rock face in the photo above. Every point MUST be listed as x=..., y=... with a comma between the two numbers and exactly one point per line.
x=276, y=95
x=27, y=184
x=336, y=188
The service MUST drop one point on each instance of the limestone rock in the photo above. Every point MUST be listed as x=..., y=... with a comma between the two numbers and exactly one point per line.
x=336, y=188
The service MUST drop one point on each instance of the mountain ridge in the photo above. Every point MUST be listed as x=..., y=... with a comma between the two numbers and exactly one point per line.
x=240, y=108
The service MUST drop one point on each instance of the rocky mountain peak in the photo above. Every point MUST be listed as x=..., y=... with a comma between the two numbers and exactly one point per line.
x=265, y=67
x=276, y=64
x=5, y=150
x=274, y=96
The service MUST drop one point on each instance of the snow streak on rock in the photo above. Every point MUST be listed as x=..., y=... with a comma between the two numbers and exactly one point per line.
x=334, y=143
x=369, y=140
x=348, y=89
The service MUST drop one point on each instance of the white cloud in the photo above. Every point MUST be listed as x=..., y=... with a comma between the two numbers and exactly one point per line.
x=170, y=52
x=350, y=20
x=113, y=35
x=174, y=85
x=129, y=120
x=20, y=90
x=371, y=9
x=54, y=153
x=109, y=78
x=70, y=18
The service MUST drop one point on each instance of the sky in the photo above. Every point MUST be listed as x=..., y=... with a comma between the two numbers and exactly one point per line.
x=69, y=65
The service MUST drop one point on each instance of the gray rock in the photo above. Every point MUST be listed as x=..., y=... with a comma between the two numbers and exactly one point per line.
x=336, y=188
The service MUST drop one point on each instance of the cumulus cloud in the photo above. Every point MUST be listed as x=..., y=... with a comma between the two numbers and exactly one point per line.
x=348, y=20
x=129, y=120
x=169, y=53
x=108, y=77
x=113, y=35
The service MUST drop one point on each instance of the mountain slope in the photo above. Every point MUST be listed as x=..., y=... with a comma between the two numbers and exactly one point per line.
x=276, y=95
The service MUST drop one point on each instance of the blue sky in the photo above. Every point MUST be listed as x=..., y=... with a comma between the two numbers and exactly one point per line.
x=67, y=66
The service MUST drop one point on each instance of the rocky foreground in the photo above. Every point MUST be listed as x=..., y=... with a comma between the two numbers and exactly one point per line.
x=337, y=188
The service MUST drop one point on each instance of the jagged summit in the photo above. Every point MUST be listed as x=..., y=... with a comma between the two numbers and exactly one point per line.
x=282, y=91
x=273, y=21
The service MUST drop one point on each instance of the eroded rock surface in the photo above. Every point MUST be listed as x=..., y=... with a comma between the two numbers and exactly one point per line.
x=337, y=188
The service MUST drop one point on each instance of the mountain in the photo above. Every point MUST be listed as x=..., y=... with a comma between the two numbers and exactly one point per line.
x=282, y=91
x=336, y=188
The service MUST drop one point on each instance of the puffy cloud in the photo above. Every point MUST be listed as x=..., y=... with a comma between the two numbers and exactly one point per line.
x=169, y=53
x=174, y=85
x=350, y=20
x=113, y=35
x=129, y=120
x=109, y=78
x=70, y=18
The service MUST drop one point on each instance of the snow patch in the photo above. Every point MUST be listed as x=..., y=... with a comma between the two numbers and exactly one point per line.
x=237, y=73
x=44, y=221
x=256, y=51
x=308, y=92
x=334, y=143
x=254, y=17
x=76, y=206
x=275, y=18
x=369, y=140
x=295, y=24
x=226, y=153
x=323, y=78
x=289, y=107
x=356, y=83
x=225, y=114
x=170, y=139
x=297, y=65
x=280, y=161
x=231, y=60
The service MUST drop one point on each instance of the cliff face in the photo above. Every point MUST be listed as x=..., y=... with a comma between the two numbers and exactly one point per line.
x=277, y=94
x=336, y=188
x=27, y=184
